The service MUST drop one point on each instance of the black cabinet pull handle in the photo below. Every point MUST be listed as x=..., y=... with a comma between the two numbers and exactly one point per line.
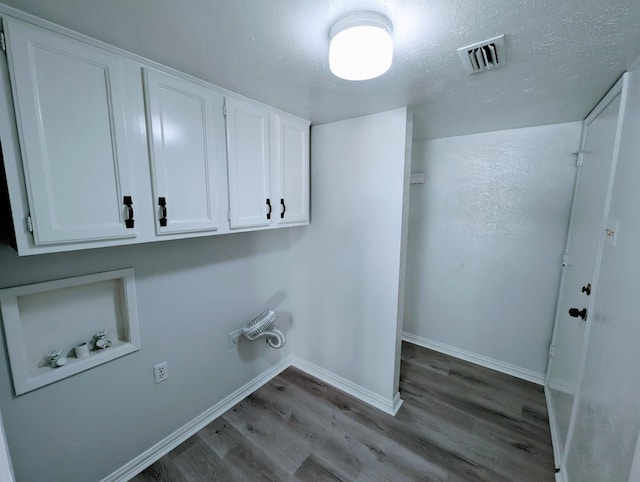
x=284, y=209
x=128, y=201
x=269, y=204
x=587, y=289
x=162, y=202
x=575, y=312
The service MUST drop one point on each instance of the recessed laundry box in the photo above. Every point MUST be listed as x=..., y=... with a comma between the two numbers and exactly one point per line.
x=59, y=328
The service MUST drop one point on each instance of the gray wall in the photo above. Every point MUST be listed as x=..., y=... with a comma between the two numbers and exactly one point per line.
x=191, y=293
x=346, y=265
x=486, y=237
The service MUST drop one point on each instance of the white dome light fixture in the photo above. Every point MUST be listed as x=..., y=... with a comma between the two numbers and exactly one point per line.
x=361, y=46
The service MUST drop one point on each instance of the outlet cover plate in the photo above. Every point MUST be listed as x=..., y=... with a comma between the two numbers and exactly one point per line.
x=160, y=372
x=234, y=337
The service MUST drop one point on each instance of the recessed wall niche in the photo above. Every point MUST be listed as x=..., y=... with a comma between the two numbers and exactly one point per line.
x=43, y=318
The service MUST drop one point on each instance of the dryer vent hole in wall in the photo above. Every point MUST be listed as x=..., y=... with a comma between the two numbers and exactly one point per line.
x=263, y=326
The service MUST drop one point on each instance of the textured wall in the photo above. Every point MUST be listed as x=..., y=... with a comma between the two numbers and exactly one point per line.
x=346, y=264
x=486, y=237
x=191, y=293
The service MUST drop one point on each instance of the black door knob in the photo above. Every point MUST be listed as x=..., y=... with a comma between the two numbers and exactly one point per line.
x=575, y=312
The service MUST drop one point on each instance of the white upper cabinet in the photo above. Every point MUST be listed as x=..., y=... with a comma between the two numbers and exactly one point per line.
x=90, y=133
x=185, y=127
x=250, y=203
x=268, y=165
x=68, y=98
x=290, y=168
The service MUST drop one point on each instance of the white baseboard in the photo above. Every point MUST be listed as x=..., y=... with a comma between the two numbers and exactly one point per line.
x=138, y=464
x=481, y=360
x=390, y=406
x=170, y=442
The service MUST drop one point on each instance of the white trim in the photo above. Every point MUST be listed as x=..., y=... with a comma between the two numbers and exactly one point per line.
x=635, y=467
x=390, y=406
x=561, y=476
x=609, y=97
x=563, y=386
x=553, y=427
x=6, y=467
x=135, y=466
x=481, y=360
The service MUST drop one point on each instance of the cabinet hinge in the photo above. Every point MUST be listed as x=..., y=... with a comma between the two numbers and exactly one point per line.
x=3, y=43
x=551, y=350
x=565, y=260
x=224, y=107
x=29, y=223
x=228, y=215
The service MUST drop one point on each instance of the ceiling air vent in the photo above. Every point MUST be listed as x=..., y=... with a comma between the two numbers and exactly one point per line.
x=486, y=55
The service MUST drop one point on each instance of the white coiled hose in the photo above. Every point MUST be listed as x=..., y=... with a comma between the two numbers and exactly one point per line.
x=262, y=326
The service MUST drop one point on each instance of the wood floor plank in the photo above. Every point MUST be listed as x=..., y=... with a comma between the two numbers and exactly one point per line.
x=437, y=362
x=459, y=422
x=316, y=469
x=478, y=406
x=515, y=447
x=160, y=471
x=478, y=396
x=316, y=431
x=220, y=436
x=246, y=462
x=377, y=455
x=310, y=429
x=252, y=421
x=407, y=441
x=196, y=462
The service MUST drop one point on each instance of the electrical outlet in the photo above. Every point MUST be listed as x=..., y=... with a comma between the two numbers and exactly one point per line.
x=234, y=337
x=160, y=372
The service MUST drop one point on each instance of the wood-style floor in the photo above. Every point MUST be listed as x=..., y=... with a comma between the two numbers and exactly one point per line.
x=459, y=422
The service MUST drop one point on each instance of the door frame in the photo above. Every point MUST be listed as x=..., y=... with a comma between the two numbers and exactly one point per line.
x=619, y=88
x=6, y=467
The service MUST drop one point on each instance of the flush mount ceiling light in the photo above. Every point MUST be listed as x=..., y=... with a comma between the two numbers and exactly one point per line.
x=361, y=46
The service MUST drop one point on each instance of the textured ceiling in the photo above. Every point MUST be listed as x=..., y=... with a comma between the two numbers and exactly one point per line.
x=563, y=55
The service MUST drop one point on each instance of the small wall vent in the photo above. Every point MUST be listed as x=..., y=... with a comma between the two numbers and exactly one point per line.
x=481, y=56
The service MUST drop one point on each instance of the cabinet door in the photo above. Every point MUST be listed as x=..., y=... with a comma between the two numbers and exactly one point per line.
x=70, y=116
x=290, y=159
x=250, y=203
x=185, y=126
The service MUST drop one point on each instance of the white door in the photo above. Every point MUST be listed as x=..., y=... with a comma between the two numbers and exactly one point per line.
x=6, y=467
x=250, y=203
x=185, y=126
x=290, y=168
x=583, y=249
x=69, y=106
x=607, y=415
